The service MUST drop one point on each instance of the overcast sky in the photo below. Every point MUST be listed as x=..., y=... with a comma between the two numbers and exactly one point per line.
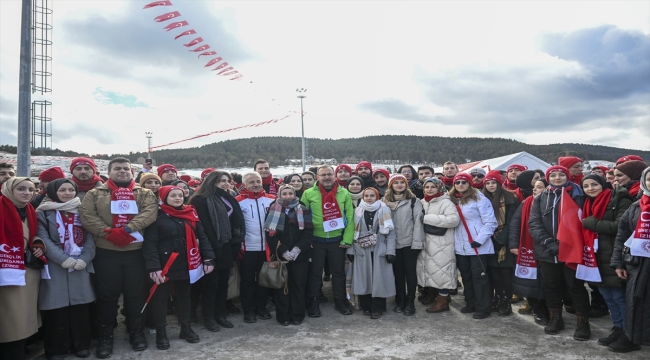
x=538, y=72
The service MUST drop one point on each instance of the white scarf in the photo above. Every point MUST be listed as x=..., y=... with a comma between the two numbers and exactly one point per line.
x=383, y=216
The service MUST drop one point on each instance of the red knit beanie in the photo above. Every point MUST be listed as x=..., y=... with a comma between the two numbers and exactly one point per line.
x=51, y=174
x=364, y=163
x=463, y=176
x=83, y=161
x=494, y=175
x=193, y=183
x=343, y=166
x=186, y=178
x=164, y=167
x=557, y=168
x=568, y=161
x=383, y=172
x=164, y=191
x=516, y=166
x=205, y=172
x=604, y=169
x=628, y=158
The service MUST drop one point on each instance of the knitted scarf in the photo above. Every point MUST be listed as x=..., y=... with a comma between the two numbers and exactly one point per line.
x=279, y=210
x=383, y=216
x=271, y=184
x=428, y=198
x=392, y=205
x=526, y=266
x=448, y=181
x=85, y=186
x=190, y=219
x=510, y=185
x=332, y=215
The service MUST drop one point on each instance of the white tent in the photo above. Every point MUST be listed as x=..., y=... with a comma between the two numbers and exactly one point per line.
x=502, y=163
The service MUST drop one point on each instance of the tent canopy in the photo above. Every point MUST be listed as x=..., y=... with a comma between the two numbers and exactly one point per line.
x=502, y=163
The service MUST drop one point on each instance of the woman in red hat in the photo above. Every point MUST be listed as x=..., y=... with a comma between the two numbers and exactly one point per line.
x=628, y=175
x=342, y=174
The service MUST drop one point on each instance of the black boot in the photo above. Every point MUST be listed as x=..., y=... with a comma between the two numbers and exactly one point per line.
x=496, y=303
x=223, y=322
x=505, y=308
x=314, y=308
x=162, y=342
x=613, y=336
x=188, y=334
x=231, y=308
x=399, y=304
x=623, y=345
x=342, y=307
x=211, y=325
x=409, y=308
x=555, y=322
x=583, y=331
x=105, y=344
x=136, y=335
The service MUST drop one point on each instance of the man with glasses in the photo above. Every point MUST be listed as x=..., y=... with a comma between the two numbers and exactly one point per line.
x=333, y=218
x=478, y=174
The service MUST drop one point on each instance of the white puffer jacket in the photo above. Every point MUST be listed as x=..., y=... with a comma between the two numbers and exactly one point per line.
x=480, y=219
x=436, y=266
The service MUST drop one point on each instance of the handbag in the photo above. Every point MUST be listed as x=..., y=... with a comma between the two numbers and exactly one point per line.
x=628, y=258
x=274, y=274
x=32, y=261
x=435, y=230
x=367, y=241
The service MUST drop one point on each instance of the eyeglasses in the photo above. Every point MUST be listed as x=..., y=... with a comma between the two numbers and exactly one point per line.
x=461, y=182
x=326, y=175
x=480, y=176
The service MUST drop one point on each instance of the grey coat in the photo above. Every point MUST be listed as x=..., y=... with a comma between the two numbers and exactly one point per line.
x=409, y=231
x=373, y=275
x=64, y=288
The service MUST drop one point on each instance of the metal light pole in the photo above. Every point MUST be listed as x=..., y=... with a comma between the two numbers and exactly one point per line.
x=301, y=91
x=24, y=94
x=148, y=134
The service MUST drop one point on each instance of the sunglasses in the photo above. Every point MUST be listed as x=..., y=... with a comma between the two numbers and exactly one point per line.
x=480, y=176
x=461, y=182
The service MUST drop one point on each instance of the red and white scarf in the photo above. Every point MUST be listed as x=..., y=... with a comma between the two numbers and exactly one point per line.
x=639, y=242
x=273, y=186
x=123, y=206
x=71, y=233
x=526, y=266
x=332, y=216
x=189, y=216
x=595, y=207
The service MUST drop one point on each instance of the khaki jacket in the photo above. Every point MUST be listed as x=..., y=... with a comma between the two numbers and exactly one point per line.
x=95, y=215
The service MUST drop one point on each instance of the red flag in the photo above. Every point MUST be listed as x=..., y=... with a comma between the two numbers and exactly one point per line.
x=175, y=25
x=194, y=42
x=188, y=32
x=224, y=70
x=569, y=232
x=230, y=73
x=201, y=48
x=165, y=17
x=213, y=61
x=238, y=77
x=220, y=66
x=208, y=53
x=158, y=3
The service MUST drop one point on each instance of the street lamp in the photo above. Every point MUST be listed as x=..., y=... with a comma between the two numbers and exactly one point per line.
x=301, y=92
x=149, y=134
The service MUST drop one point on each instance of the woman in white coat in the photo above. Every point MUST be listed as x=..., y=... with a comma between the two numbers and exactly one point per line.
x=436, y=266
x=473, y=244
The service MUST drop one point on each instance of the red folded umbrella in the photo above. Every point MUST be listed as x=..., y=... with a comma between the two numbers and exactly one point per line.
x=171, y=259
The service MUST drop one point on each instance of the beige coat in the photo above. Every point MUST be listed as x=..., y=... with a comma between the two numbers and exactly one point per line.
x=95, y=215
x=436, y=266
x=19, y=315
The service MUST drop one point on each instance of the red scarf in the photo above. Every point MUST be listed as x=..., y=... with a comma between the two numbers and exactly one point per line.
x=342, y=183
x=588, y=268
x=634, y=189
x=12, y=242
x=576, y=179
x=510, y=185
x=526, y=267
x=85, y=186
x=640, y=240
x=520, y=196
x=448, y=181
x=189, y=215
x=273, y=186
x=479, y=186
x=428, y=198
x=72, y=231
x=123, y=205
x=332, y=216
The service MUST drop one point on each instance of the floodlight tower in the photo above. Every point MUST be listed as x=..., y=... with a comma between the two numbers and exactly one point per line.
x=149, y=136
x=301, y=95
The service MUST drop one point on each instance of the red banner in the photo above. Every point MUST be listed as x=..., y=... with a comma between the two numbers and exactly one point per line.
x=188, y=32
x=213, y=61
x=194, y=42
x=200, y=48
x=208, y=53
x=221, y=66
x=158, y=3
x=225, y=70
x=165, y=17
x=175, y=25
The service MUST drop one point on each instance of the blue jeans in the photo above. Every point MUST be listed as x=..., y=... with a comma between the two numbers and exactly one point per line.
x=615, y=299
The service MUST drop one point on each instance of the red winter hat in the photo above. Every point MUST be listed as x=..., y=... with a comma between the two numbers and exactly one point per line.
x=364, y=163
x=186, y=178
x=205, y=172
x=83, y=161
x=604, y=169
x=193, y=183
x=568, y=161
x=559, y=168
x=628, y=158
x=495, y=175
x=383, y=172
x=51, y=174
x=517, y=166
x=164, y=191
x=164, y=167
x=343, y=166
x=463, y=176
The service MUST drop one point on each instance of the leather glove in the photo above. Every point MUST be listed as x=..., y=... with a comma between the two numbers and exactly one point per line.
x=118, y=237
x=68, y=263
x=475, y=244
x=390, y=259
x=79, y=264
x=351, y=257
x=288, y=256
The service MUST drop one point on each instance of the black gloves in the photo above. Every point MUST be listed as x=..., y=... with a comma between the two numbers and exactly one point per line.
x=475, y=244
x=351, y=257
x=497, y=245
x=390, y=259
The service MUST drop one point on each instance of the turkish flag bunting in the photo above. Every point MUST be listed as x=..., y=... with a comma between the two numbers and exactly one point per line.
x=165, y=17
x=188, y=32
x=230, y=73
x=201, y=48
x=208, y=53
x=158, y=3
x=194, y=42
x=220, y=66
x=237, y=77
x=175, y=25
x=213, y=61
x=225, y=70
x=569, y=232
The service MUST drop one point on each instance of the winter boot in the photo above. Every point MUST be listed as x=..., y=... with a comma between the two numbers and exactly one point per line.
x=399, y=303
x=505, y=308
x=525, y=309
x=623, y=345
x=440, y=305
x=342, y=306
x=431, y=296
x=188, y=334
x=162, y=342
x=540, y=314
x=105, y=344
x=583, y=331
x=496, y=303
x=613, y=336
x=515, y=299
x=211, y=325
x=409, y=308
x=314, y=308
x=555, y=323
x=136, y=335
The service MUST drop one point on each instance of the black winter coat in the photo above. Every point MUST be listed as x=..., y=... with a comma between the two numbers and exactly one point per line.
x=543, y=223
x=607, y=229
x=167, y=235
x=523, y=287
x=637, y=312
x=289, y=238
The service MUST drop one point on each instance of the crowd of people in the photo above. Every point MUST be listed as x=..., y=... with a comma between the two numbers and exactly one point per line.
x=563, y=239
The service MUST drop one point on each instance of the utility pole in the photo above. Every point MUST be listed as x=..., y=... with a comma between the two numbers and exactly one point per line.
x=24, y=90
x=301, y=91
x=149, y=135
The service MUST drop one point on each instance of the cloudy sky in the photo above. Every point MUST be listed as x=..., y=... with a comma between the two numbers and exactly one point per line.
x=538, y=72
